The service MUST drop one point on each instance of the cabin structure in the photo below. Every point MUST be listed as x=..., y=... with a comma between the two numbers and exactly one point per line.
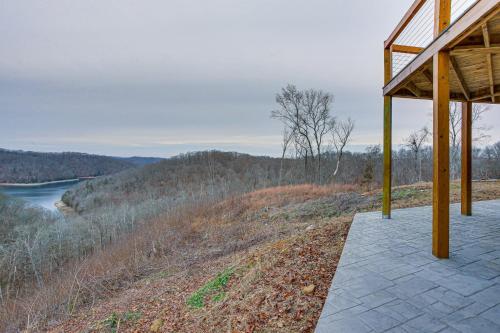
x=442, y=50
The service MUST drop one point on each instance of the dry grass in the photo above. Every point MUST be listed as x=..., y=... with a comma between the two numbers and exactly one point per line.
x=274, y=248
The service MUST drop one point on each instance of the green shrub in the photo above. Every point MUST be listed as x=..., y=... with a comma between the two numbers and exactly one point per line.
x=197, y=299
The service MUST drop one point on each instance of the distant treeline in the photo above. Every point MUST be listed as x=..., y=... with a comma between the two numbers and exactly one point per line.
x=34, y=167
x=213, y=172
x=210, y=173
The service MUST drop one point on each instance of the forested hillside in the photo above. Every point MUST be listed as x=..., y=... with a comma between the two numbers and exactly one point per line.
x=34, y=167
x=186, y=176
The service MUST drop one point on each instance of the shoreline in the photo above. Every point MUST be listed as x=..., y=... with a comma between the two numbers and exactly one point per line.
x=64, y=209
x=40, y=184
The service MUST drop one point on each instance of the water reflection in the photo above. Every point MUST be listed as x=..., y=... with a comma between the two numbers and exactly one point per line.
x=44, y=196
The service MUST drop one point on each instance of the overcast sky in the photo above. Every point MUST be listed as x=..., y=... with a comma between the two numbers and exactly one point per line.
x=157, y=78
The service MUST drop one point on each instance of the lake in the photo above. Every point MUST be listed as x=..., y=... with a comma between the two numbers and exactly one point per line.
x=42, y=195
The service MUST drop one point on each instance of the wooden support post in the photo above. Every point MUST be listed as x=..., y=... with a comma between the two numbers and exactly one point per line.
x=386, y=201
x=466, y=158
x=441, y=138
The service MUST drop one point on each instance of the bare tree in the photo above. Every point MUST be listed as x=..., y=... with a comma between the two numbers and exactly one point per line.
x=415, y=142
x=290, y=112
x=317, y=119
x=480, y=132
x=287, y=138
x=341, y=134
x=306, y=114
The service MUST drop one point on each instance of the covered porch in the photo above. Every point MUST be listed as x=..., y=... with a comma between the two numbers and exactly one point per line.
x=444, y=51
x=388, y=281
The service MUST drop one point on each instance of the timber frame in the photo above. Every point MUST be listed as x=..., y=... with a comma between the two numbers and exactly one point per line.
x=462, y=63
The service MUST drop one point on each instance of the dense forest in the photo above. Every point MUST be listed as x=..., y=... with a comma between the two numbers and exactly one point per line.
x=34, y=167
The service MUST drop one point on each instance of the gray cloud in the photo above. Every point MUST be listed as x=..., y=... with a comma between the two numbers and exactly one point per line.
x=161, y=77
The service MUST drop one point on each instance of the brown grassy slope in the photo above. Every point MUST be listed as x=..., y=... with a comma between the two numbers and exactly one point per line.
x=289, y=238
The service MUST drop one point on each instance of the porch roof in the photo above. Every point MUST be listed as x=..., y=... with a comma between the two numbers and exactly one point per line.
x=474, y=44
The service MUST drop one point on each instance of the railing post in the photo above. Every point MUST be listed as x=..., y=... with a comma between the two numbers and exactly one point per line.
x=441, y=138
x=386, y=201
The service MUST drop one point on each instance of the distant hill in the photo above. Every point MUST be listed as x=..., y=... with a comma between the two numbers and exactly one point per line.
x=178, y=178
x=141, y=161
x=17, y=166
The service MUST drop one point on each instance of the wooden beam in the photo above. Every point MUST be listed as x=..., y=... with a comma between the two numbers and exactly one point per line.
x=406, y=49
x=387, y=182
x=466, y=179
x=427, y=75
x=441, y=139
x=442, y=16
x=441, y=163
x=460, y=77
x=410, y=14
x=463, y=27
x=475, y=50
x=484, y=93
x=414, y=89
x=489, y=61
x=455, y=97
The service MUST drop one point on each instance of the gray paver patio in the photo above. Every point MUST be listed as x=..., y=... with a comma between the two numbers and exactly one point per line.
x=388, y=281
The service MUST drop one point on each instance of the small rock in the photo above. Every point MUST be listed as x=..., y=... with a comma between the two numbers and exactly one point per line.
x=310, y=227
x=309, y=289
x=157, y=324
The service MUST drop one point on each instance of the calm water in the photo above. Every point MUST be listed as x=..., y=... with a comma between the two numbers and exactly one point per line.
x=44, y=196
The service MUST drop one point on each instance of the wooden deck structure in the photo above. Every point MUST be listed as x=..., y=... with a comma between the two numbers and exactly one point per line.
x=461, y=63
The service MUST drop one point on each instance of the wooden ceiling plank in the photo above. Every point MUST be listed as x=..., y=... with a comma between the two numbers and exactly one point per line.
x=484, y=93
x=473, y=50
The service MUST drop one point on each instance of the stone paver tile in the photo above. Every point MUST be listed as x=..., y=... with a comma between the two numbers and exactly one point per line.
x=469, y=311
x=473, y=251
x=489, y=296
x=492, y=314
x=449, y=330
x=401, y=271
x=348, y=273
x=405, y=249
x=378, y=321
x=398, y=329
x=347, y=313
x=457, y=261
x=417, y=260
x=376, y=299
x=352, y=325
x=413, y=286
x=482, y=269
x=337, y=303
x=369, y=284
x=401, y=310
x=449, y=297
x=422, y=300
x=425, y=323
x=439, y=309
x=476, y=325
x=464, y=284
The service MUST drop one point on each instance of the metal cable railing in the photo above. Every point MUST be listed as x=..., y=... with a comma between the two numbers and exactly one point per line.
x=420, y=31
